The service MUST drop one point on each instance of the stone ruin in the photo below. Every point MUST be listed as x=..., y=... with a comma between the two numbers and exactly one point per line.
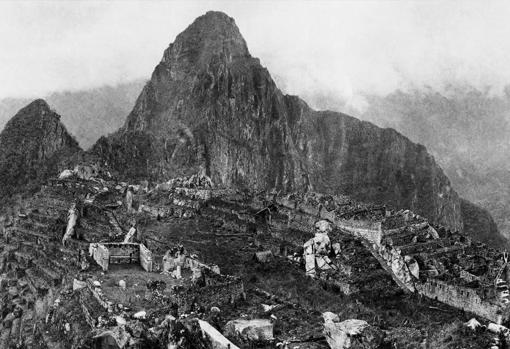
x=121, y=253
x=318, y=249
x=432, y=261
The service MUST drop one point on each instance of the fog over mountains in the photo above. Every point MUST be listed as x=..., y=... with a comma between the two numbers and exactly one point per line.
x=464, y=128
x=87, y=114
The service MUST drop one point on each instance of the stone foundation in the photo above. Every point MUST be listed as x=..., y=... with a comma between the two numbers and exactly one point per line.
x=121, y=253
x=461, y=298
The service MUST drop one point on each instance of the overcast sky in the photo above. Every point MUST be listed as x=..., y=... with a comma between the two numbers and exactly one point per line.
x=338, y=48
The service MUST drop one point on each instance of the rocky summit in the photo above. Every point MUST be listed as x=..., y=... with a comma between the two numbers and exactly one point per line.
x=32, y=144
x=212, y=107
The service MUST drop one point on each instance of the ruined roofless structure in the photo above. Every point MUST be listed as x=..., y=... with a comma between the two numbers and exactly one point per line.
x=121, y=253
x=452, y=269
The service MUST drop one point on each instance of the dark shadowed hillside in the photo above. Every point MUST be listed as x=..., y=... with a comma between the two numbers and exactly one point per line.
x=467, y=131
x=33, y=142
x=479, y=223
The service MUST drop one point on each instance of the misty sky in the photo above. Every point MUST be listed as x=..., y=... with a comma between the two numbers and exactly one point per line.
x=339, y=49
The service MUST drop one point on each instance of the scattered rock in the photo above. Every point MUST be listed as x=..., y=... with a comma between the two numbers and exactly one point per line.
x=497, y=328
x=218, y=341
x=65, y=174
x=250, y=330
x=122, y=284
x=77, y=284
x=473, y=324
x=264, y=256
x=140, y=315
x=120, y=320
x=117, y=336
x=268, y=308
x=350, y=333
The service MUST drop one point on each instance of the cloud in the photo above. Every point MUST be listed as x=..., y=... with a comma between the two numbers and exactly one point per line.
x=338, y=49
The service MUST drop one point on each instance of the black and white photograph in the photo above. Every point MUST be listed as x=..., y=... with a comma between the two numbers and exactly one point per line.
x=273, y=174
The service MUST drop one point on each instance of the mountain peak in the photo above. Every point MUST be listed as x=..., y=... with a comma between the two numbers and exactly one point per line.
x=215, y=17
x=35, y=119
x=211, y=34
x=211, y=107
x=35, y=110
x=37, y=105
x=33, y=143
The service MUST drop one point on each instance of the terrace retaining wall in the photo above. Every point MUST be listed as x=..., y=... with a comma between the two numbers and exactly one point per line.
x=459, y=297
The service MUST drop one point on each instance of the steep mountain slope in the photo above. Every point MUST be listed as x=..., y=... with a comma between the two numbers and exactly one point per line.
x=210, y=106
x=33, y=142
x=466, y=130
x=479, y=223
x=88, y=114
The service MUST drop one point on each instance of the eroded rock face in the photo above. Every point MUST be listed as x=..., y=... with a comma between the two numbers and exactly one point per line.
x=32, y=144
x=211, y=107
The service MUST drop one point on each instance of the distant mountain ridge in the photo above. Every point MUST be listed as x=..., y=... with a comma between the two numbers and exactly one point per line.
x=88, y=114
x=467, y=131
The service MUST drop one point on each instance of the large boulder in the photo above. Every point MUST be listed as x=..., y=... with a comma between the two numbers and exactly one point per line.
x=215, y=338
x=352, y=333
x=256, y=330
x=323, y=226
x=264, y=256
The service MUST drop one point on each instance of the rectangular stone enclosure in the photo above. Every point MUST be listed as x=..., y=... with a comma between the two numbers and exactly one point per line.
x=121, y=253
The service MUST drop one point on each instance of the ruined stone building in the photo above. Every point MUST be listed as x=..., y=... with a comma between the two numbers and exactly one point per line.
x=121, y=253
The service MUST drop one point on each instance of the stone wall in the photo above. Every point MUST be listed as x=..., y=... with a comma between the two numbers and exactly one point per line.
x=202, y=194
x=393, y=262
x=123, y=253
x=86, y=313
x=412, y=227
x=100, y=297
x=101, y=255
x=145, y=258
x=370, y=231
x=225, y=290
x=120, y=253
x=459, y=297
